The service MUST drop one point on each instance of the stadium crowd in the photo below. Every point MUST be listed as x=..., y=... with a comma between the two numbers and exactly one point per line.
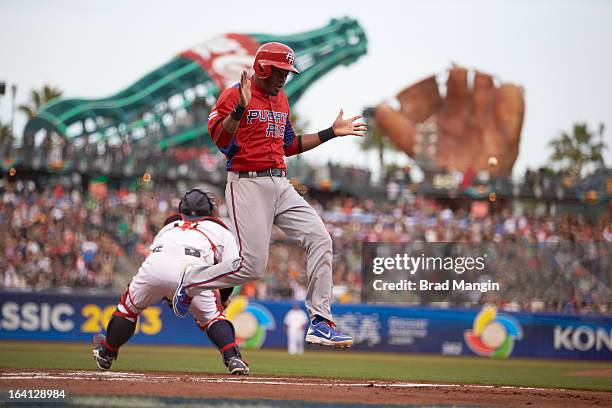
x=554, y=263
x=53, y=239
x=58, y=238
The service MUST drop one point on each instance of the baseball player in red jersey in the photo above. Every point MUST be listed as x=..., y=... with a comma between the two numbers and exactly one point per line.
x=250, y=125
x=192, y=236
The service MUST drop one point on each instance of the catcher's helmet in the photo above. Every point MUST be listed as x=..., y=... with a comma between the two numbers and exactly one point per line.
x=273, y=54
x=196, y=204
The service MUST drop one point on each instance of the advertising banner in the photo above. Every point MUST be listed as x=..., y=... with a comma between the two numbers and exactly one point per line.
x=485, y=332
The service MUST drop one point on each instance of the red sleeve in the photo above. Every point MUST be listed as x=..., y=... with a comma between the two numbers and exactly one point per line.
x=293, y=148
x=291, y=140
x=225, y=105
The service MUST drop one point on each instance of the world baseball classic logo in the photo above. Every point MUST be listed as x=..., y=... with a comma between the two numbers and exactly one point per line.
x=251, y=322
x=493, y=334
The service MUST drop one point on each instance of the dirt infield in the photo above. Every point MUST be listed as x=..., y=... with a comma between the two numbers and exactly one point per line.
x=190, y=385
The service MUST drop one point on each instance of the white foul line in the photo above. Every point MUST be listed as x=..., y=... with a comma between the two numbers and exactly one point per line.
x=140, y=377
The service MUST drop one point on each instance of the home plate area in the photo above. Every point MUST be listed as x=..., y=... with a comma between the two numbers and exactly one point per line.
x=143, y=389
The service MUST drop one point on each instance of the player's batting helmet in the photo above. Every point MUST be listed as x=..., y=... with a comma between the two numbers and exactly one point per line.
x=273, y=54
x=196, y=204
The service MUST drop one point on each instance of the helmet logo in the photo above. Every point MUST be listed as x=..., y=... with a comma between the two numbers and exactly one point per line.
x=273, y=55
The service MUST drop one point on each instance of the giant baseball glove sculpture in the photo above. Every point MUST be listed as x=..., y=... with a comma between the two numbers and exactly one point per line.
x=473, y=127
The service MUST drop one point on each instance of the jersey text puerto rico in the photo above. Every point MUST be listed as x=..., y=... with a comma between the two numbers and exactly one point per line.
x=276, y=121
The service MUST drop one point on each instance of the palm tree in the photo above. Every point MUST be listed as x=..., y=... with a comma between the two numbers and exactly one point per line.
x=574, y=151
x=6, y=141
x=375, y=139
x=298, y=122
x=38, y=99
x=5, y=132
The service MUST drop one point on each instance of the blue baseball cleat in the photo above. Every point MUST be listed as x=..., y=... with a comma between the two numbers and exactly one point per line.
x=324, y=333
x=181, y=301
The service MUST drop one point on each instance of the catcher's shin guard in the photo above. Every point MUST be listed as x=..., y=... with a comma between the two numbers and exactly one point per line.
x=222, y=334
x=119, y=331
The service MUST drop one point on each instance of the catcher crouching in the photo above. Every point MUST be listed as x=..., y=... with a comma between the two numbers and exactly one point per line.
x=191, y=237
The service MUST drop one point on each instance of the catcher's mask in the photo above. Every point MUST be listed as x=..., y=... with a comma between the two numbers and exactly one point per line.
x=273, y=54
x=196, y=204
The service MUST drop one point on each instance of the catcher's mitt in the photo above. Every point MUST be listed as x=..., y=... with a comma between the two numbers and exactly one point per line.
x=461, y=130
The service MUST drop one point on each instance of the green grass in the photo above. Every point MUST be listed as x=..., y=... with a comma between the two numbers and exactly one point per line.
x=336, y=364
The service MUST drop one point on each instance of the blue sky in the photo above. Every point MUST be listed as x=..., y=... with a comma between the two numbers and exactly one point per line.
x=558, y=50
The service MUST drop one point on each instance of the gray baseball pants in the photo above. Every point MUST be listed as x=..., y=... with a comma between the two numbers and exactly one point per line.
x=254, y=205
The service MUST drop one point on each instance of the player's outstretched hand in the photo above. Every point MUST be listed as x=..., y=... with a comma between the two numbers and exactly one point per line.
x=345, y=127
x=245, y=90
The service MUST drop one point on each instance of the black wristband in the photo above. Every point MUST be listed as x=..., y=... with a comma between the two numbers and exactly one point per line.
x=326, y=134
x=299, y=143
x=237, y=112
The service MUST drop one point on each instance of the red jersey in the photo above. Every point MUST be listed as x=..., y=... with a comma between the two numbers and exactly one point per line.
x=264, y=135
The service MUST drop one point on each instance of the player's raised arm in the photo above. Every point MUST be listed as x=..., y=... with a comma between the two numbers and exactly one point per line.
x=231, y=122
